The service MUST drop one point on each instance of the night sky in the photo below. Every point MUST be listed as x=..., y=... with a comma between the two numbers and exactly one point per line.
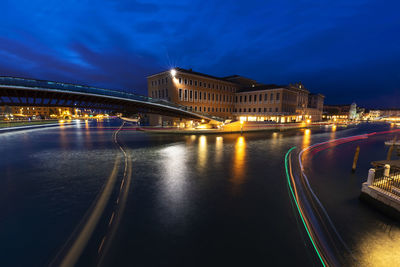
x=347, y=50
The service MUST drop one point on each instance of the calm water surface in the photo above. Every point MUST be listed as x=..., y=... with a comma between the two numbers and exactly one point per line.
x=193, y=200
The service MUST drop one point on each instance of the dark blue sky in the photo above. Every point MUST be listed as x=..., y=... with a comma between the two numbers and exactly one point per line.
x=347, y=50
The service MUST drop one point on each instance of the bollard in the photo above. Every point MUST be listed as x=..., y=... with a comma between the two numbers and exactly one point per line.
x=389, y=154
x=353, y=168
x=371, y=176
x=387, y=170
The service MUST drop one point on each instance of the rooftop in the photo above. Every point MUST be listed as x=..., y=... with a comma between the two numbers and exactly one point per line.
x=261, y=87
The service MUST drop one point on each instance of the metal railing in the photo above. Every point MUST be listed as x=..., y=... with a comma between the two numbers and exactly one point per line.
x=389, y=183
x=47, y=85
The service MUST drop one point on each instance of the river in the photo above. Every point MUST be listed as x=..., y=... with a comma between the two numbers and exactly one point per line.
x=209, y=200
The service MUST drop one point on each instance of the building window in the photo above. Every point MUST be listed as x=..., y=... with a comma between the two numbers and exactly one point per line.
x=266, y=97
x=276, y=109
x=265, y=109
x=249, y=99
x=240, y=99
x=191, y=95
x=180, y=94
x=186, y=95
x=244, y=110
x=166, y=92
x=212, y=109
x=195, y=95
x=200, y=83
x=195, y=108
x=277, y=96
x=240, y=110
x=272, y=97
x=199, y=95
x=260, y=97
x=209, y=85
x=259, y=110
x=205, y=85
x=190, y=82
x=270, y=109
x=195, y=83
x=209, y=97
x=185, y=81
x=254, y=109
x=180, y=80
x=245, y=99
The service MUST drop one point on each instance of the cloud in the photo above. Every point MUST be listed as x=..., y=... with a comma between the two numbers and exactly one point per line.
x=333, y=47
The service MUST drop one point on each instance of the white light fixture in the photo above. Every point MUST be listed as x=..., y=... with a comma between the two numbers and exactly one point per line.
x=173, y=72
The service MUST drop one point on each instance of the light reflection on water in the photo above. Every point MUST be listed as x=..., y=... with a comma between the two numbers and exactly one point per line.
x=306, y=138
x=219, y=148
x=174, y=175
x=202, y=153
x=239, y=163
x=380, y=247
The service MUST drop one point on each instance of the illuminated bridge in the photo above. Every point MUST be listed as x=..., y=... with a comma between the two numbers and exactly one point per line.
x=29, y=92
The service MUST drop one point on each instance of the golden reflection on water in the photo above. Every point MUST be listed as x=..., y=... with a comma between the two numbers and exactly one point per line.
x=306, y=138
x=380, y=247
x=202, y=152
x=333, y=133
x=239, y=162
x=219, y=143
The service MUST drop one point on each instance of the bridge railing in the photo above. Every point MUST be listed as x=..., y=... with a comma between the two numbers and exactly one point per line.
x=43, y=85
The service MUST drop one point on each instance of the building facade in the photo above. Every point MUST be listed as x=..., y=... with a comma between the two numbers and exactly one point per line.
x=236, y=97
x=39, y=112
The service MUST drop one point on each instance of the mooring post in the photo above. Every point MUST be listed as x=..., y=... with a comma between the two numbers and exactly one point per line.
x=371, y=176
x=389, y=154
x=355, y=158
x=386, y=171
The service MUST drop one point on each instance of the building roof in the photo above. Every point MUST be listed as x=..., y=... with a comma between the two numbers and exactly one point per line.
x=261, y=87
x=246, y=84
x=190, y=71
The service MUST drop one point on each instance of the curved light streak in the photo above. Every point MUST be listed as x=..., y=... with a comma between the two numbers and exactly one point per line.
x=306, y=226
x=317, y=148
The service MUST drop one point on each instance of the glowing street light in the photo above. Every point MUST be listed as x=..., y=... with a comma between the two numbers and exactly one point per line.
x=173, y=72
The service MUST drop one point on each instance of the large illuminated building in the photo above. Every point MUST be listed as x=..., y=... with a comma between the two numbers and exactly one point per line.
x=235, y=97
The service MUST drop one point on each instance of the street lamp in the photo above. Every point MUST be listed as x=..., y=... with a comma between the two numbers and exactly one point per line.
x=173, y=72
